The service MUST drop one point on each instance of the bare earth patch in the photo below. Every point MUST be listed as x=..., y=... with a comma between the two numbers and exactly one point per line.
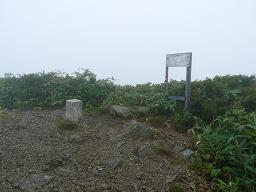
x=36, y=155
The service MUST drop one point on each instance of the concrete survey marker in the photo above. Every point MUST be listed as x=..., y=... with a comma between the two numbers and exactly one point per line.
x=74, y=109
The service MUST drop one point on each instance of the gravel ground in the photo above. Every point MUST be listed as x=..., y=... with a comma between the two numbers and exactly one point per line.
x=36, y=155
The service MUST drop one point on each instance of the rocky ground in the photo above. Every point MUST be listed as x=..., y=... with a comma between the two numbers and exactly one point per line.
x=104, y=154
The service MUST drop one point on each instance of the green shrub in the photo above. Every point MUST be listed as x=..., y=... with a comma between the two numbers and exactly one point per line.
x=140, y=111
x=183, y=121
x=210, y=97
x=52, y=89
x=148, y=96
x=3, y=115
x=227, y=150
x=214, y=97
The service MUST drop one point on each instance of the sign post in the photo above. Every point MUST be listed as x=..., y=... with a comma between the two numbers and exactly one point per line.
x=179, y=60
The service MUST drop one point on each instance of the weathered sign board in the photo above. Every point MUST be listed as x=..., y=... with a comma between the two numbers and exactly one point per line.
x=180, y=60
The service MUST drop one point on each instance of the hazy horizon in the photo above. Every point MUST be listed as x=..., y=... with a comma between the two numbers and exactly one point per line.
x=128, y=40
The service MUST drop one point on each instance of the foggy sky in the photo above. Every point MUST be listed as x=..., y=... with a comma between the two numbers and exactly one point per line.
x=128, y=39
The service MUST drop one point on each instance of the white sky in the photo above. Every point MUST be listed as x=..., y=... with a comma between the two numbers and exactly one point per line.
x=128, y=39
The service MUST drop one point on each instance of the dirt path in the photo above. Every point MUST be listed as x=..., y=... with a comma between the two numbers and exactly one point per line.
x=35, y=155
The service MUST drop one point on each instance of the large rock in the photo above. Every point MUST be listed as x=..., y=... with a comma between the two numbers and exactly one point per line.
x=134, y=129
x=74, y=109
x=119, y=110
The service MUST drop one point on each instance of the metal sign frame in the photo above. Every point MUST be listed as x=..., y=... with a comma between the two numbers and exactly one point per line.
x=179, y=60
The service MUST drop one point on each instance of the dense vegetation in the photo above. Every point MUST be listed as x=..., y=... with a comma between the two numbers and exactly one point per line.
x=49, y=90
x=226, y=150
x=222, y=114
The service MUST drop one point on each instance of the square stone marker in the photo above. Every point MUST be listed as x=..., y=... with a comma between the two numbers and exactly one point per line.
x=74, y=109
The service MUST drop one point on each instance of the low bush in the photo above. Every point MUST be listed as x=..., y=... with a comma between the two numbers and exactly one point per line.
x=210, y=97
x=226, y=151
x=214, y=97
x=48, y=90
x=3, y=116
x=136, y=97
x=183, y=121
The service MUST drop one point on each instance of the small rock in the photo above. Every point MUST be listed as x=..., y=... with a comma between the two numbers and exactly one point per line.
x=120, y=144
x=145, y=151
x=37, y=108
x=105, y=186
x=54, y=163
x=115, y=163
x=192, y=185
x=1, y=130
x=170, y=178
x=119, y=110
x=178, y=148
x=187, y=153
x=163, y=146
x=139, y=176
x=76, y=138
x=36, y=182
x=96, y=170
x=129, y=188
x=21, y=125
x=31, y=171
x=63, y=171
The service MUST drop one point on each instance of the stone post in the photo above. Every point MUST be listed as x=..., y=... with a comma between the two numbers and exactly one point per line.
x=74, y=109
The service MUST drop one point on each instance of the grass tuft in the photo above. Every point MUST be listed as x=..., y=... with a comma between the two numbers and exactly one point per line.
x=64, y=123
x=175, y=188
